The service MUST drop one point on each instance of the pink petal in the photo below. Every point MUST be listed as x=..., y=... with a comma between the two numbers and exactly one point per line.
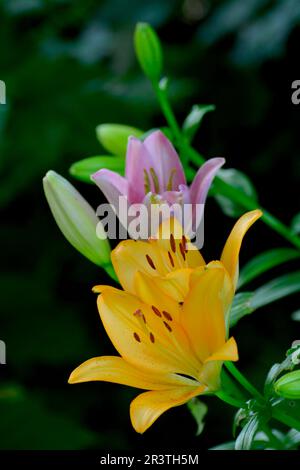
x=111, y=184
x=138, y=160
x=203, y=179
x=165, y=161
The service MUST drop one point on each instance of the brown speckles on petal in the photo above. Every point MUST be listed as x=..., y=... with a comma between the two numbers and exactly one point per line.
x=152, y=339
x=171, y=259
x=150, y=262
x=136, y=337
x=156, y=311
x=182, y=251
x=167, y=326
x=167, y=315
x=172, y=243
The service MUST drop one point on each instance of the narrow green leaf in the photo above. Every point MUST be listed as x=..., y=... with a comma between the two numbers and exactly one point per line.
x=83, y=169
x=245, y=303
x=238, y=180
x=276, y=289
x=198, y=410
x=241, y=306
x=265, y=261
x=246, y=437
x=194, y=119
x=292, y=439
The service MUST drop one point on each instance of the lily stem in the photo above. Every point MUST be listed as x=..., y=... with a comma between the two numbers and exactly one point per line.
x=243, y=381
x=229, y=399
x=188, y=153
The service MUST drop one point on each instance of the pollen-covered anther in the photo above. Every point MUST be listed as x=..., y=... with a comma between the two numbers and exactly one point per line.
x=182, y=251
x=167, y=315
x=152, y=339
x=136, y=337
x=184, y=243
x=156, y=311
x=167, y=326
x=172, y=243
x=150, y=262
x=171, y=259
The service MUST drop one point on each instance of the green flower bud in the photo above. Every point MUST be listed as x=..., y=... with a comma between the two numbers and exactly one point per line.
x=288, y=386
x=114, y=137
x=148, y=50
x=76, y=219
x=83, y=169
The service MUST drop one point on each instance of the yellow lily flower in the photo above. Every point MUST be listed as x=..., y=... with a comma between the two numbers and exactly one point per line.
x=168, y=262
x=170, y=324
x=174, y=351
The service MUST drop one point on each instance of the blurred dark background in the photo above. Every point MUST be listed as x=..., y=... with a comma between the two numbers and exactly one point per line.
x=69, y=66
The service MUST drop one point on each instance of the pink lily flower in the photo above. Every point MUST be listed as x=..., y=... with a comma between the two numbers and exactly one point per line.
x=154, y=174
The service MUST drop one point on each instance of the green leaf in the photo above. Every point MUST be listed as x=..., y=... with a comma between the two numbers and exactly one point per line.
x=194, y=119
x=198, y=410
x=276, y=289
x=240, y=181
x=245, y=303
x=265, y=261
x=83, y=169
x=292, y=439
x=114, y=137
x=246, y=437
x=148, y=50
x=241, y=306
x=295, y=224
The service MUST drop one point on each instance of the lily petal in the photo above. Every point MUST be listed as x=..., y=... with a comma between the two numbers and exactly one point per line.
x=122, y=315
x=147, y=407
x=203, y=313
x=227, y=352
x=130, y=256
x=117, y=370
x=166, y=163
x=138, y=164
x=230, y=254
x=203, y=179
x=111, y=184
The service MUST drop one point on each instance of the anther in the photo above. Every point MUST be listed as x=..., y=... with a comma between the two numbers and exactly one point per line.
x=150, y=261
x=171, y=259
x=167, y=326
x=152, y=339
x=167, y=315
x=136, y=337
x=182, y=251
x=156, y=311
x=172, y=243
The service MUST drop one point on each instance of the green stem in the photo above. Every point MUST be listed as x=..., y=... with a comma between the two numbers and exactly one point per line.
x=243, y=381
x=277, y=444
x=247, y=202
x=229, y=399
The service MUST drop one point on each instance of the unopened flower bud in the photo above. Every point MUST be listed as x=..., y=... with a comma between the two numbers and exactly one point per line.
x=114, y=137
x=148, y=50
x=76, y=219
x=288, y=386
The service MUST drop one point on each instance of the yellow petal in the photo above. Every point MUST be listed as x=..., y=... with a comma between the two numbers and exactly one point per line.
x=147, y=407
x=148, y=289
x=175, y=284
x=131, y=256
x=176, y=245
x=230, y=254
x=123, y=317
x=203, y=313
x=228, y=352
x=115, y=369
